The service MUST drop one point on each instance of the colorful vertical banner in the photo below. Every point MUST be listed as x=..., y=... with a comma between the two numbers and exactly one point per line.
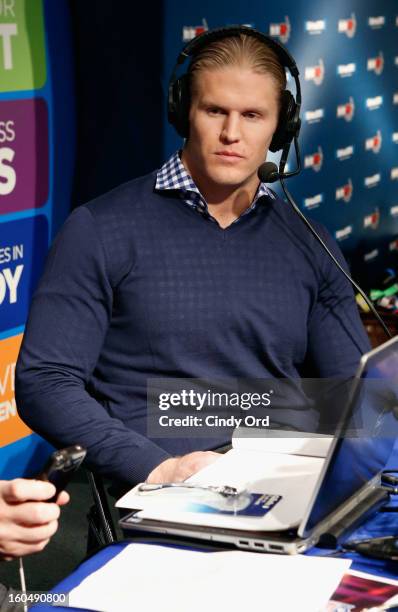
x=36, y=139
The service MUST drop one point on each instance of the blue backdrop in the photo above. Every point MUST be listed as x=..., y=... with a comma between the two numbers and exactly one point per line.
x=347, y=54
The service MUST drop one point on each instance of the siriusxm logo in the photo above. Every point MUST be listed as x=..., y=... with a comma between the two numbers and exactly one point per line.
x=314, y=116
x=395, y=98
x=315, y=27
x=374, y=142
x=343, y=233
x=374, y=103
x=345, y=192
x=314, y=160
x=346, y=110
x=394, y=211
x=346, y=70
x=281, y=30
x=394, y=174
x=313, y=201
x=315, y=73
x=372, y=181
x=376, y=22
x=376, y=64
x=345, y=152
x=395, y=137
x=347, y=26
x=371, y=255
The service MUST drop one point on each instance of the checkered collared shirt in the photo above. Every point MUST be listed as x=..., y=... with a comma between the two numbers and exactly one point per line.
x=173, y=175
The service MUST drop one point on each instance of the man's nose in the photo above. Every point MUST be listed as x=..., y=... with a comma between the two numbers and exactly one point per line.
x=231, y=128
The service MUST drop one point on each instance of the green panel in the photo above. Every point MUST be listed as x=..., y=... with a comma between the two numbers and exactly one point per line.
x=22, y=45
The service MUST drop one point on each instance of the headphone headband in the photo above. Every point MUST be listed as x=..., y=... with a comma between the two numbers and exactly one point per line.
x=206, y=38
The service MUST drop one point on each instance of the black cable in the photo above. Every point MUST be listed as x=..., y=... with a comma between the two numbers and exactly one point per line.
x=321, y=242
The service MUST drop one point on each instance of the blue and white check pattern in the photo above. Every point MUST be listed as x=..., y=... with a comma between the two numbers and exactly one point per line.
x=173, y=175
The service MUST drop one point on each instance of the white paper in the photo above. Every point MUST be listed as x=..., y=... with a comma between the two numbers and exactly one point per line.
x=147, y=577
x=293, y=477
x=286, y=442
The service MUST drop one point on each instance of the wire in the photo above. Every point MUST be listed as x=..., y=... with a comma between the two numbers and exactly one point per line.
x=23, y=584
x=321, y=242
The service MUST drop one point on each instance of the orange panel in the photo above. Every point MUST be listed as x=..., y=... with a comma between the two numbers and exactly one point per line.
x=11, y=426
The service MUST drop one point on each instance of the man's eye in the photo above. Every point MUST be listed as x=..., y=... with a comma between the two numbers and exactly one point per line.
x=251, y=115
x=214, y=110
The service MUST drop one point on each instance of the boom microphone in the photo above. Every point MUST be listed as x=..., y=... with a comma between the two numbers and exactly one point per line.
x=268, y=172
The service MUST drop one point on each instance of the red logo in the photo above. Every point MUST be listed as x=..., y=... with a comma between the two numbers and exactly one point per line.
x=374, y=142
x=315, y=73
x=348, y=26
x=191, y=32
x=346, y=110
x=345, y=192
x=314, y=160
x=281, y=30
x=376, y=63
x=372, y=220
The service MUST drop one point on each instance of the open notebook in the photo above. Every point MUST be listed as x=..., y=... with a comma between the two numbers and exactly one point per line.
x=284, y=469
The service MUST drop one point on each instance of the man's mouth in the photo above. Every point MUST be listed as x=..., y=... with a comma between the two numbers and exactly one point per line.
x=231, y=154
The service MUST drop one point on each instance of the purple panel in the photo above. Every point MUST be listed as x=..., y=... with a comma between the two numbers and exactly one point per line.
x=23, y=154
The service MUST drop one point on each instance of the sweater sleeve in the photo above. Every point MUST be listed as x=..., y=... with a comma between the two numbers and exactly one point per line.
x=336, y=336
x=67, y=323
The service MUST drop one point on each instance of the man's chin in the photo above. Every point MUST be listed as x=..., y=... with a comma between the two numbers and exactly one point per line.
x=231, y=181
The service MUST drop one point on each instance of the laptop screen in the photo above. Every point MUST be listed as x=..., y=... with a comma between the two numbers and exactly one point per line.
x=367, y=437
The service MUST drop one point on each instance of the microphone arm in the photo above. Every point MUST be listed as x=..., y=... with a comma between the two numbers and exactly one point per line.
x=268, y=173
x=321, y=242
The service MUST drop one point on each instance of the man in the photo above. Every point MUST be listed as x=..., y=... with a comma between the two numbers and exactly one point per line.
x=194, y=271
x=27, y=520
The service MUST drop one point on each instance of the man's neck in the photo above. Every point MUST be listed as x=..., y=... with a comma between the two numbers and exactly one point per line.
x=227, y=208
x=225, y=202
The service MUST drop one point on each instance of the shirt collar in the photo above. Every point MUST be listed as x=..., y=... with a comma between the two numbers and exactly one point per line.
x=173, y=175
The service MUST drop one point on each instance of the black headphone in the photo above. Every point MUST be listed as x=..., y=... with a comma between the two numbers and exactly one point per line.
x=289, y=121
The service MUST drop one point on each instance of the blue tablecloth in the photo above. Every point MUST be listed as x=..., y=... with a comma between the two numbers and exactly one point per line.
x=384, y=523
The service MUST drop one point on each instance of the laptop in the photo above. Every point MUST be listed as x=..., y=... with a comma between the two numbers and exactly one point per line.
x=308, y=497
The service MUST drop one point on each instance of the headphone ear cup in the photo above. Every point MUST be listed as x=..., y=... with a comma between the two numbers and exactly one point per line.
x=178, y=105
x=288, y=123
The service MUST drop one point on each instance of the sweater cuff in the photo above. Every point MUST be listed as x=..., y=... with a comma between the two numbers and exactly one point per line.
x=143, y=462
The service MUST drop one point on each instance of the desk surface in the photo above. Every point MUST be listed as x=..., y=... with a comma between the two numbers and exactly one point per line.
x=384, y=523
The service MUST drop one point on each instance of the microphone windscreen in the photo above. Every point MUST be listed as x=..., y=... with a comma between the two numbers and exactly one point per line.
x=268, y=172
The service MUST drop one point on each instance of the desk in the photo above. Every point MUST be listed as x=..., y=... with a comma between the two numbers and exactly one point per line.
x=382, y=524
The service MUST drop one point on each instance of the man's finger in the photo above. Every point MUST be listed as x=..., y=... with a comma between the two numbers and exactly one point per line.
x=21, y=490
x=63, y=498
x=33, y=513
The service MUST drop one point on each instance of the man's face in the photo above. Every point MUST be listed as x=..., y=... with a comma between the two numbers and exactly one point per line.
x=233, y=115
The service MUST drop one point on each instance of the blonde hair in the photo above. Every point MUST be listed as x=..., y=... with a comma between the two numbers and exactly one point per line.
x=238, y=50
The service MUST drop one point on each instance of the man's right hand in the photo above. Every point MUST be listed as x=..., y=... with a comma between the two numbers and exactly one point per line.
x=178, y=469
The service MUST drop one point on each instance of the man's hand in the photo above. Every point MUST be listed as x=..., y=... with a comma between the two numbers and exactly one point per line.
x=27, y=522
x=178, y=469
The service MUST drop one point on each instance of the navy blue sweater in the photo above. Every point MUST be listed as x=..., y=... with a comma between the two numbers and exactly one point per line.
x=138, y=285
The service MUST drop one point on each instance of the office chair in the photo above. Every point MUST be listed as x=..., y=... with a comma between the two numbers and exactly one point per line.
x=102, y=529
